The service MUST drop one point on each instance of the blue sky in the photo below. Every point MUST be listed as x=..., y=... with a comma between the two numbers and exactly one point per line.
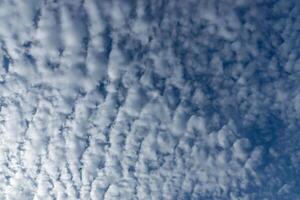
x=141, y=99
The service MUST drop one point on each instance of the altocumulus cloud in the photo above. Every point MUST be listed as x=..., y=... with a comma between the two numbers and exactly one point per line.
x=140, y=99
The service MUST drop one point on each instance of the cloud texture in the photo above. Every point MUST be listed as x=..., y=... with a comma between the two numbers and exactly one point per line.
x=133, y=99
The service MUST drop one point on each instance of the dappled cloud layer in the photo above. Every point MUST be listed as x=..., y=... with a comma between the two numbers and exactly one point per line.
x=154, y=99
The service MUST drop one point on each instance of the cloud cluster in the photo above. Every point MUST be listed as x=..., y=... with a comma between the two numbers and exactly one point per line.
x=149, y=99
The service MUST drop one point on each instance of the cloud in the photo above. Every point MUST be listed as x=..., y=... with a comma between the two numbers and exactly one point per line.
x=149, y=99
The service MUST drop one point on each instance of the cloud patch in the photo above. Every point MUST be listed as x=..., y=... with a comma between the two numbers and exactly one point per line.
x=149, y=99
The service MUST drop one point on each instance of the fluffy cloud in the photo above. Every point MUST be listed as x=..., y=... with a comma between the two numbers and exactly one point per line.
x=149, y=99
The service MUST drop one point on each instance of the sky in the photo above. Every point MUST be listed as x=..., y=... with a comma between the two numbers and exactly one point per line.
x=150, y=99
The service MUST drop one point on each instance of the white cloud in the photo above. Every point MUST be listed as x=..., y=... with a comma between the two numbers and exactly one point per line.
x=149, y=100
